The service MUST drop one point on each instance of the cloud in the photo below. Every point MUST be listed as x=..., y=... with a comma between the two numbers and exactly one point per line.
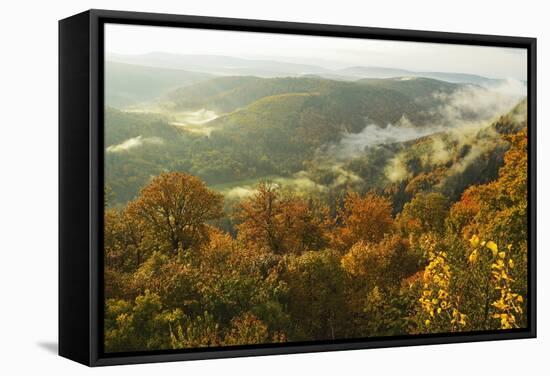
x=301, y=181
x=353, y=144
x=473, y=104
x=477, y=146
x=509, y=86
x=396, y=170
x=460, y=117
x=240, y=192
x=439, y=152
x=134, y=142
x=470, y=107
x=344, y=177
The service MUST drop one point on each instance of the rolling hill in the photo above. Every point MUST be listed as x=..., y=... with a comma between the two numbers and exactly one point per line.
x=413, y=87
x=128, y=84
x=279, y=127
x=381, y=101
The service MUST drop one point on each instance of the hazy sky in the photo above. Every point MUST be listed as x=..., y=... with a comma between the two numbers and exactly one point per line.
x=328, y=52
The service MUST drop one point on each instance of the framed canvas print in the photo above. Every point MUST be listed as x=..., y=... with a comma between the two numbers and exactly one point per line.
x=235, y=187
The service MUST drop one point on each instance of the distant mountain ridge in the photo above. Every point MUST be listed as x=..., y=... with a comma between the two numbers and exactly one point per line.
x=227, y=65
x=220, y=65
x=382, y=72
x=127, y=84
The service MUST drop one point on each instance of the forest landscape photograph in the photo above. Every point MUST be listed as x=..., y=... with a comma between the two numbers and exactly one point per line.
x=274, y=188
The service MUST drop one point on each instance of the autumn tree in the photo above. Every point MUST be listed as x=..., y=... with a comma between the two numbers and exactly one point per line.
x=198, y=331
x=365, y=219
x=496, y=211
x=380, y=264
x=174, y=208
x=476, y=201
x=171, y=278
x=124, y=251
x=281, y=223
x=426, y=212
x=247, y=329
x=374, y=272
x=316, y=300
x=139, y=325
x=124, y=236
x=511, y=218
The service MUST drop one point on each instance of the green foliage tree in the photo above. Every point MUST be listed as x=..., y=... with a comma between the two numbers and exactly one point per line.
x=315, y=302
x=426, y=212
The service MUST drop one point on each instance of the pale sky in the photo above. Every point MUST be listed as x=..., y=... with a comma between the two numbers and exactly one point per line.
x=328, y=52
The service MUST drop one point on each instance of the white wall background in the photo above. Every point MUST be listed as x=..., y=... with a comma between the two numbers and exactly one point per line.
x=28, y=187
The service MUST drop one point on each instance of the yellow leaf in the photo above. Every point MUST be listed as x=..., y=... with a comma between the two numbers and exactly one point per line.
x=474, y=241
x=492, y=246
x=502, y=255
x=473, y=257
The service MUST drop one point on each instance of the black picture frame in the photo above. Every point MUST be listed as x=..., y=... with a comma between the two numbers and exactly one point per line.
x=81, y=181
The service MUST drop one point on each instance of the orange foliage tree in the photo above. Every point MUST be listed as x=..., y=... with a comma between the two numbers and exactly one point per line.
x=279, y=223
x=174, y=208
x=365, y=219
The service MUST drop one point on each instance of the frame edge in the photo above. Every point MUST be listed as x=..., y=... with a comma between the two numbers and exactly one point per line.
x=95, y=17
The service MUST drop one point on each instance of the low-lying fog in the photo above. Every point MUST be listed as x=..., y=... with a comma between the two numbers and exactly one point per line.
x=461, y=115
x=471, y=106
x=195, y=121
x=133, y=143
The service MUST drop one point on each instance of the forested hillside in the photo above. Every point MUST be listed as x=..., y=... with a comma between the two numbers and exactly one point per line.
x=247, y=210
x=279, y=127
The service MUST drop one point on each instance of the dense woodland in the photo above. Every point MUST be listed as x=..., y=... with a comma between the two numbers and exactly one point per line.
x=426, y=235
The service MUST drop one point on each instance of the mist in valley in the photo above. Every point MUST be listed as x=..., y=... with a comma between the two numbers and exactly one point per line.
x=466, y=104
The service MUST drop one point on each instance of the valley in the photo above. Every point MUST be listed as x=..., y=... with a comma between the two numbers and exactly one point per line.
x=313, y=134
